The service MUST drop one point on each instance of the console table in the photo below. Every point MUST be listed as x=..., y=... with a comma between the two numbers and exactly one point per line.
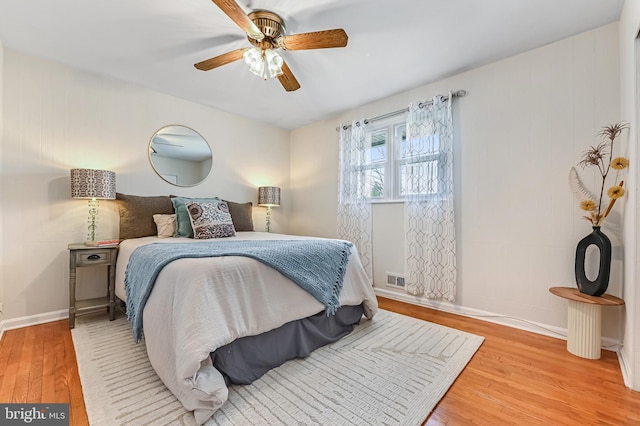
x=584, y=321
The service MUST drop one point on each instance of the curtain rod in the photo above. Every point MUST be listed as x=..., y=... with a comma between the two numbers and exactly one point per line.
x=456, y=94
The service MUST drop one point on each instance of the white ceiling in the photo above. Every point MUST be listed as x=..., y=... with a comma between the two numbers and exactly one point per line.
x=393, y=45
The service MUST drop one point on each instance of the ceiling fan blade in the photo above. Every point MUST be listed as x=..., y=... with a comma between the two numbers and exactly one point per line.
x=315, y=40
x=287, y=79
x=237, y=15
x=218, y=61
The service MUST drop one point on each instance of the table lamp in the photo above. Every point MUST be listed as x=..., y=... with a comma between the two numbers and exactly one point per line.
x=93, y=185
x=268, y=196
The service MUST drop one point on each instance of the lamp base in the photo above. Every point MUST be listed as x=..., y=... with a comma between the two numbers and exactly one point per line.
x=268, y=218
x=92, y=229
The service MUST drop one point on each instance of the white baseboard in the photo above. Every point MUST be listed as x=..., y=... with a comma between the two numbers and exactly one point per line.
x=519, y=323
x=626, y=370
x=32, y=320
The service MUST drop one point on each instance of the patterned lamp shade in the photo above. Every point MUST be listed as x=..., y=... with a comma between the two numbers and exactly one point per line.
x=268, y=196
x=90, y=183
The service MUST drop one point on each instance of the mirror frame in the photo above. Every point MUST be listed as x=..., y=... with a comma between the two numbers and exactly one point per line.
x=161, y=175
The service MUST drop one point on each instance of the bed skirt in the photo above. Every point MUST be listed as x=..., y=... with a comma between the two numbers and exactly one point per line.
x=248, y=358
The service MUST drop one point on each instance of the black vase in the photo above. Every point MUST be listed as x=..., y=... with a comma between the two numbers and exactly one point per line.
x=598, y=286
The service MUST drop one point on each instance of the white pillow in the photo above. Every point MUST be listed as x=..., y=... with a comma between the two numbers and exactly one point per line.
x=166, y=224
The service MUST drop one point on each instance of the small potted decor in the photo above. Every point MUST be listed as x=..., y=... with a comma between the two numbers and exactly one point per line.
x=597, y=207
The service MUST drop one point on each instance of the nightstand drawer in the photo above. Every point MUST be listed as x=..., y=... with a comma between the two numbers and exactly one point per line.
x=94, y=257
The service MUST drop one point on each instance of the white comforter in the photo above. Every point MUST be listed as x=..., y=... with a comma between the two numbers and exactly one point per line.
x=198, y=305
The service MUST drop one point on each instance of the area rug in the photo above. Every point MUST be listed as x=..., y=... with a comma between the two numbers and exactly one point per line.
x=391, y=370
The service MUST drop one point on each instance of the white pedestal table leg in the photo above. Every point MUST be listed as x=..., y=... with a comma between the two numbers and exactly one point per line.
x=584, y=329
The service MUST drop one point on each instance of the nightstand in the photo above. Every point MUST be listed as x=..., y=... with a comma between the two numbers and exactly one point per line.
x=81, y=255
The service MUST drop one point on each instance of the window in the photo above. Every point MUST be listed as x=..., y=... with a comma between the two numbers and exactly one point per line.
x=395, y=166
x=376, y=164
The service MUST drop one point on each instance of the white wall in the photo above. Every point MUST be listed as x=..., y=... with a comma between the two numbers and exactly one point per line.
x=525, y=122
x=57, y=118
x=629, y=94
x=1, y=173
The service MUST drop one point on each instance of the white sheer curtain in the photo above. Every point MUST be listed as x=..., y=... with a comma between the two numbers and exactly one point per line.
x=354, y=209
x=429, y=215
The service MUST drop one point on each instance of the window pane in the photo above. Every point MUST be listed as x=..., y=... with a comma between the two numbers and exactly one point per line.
x=376, y=157
x=400, y=139
x=429, y=144
x=374, y=182
x=378, y=151
x=419, y=178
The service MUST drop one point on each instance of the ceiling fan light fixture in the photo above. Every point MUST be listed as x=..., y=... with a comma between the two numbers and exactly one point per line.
x=274, y=63
x=263, y=63
x=253, y=58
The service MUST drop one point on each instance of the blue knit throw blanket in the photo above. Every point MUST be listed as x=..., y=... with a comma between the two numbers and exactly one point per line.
x=317, y=266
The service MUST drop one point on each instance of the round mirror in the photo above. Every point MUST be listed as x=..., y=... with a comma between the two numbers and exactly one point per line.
x=180, y=155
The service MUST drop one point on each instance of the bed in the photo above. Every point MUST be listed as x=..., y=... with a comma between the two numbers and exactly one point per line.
x=200, y=305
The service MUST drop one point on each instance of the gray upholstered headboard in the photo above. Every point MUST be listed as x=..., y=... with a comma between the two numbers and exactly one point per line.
x=136, y=214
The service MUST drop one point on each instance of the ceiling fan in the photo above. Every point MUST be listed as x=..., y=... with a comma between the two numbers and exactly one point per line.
x=266, y=32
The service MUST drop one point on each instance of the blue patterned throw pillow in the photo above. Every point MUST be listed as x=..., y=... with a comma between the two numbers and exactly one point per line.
x=210, y=220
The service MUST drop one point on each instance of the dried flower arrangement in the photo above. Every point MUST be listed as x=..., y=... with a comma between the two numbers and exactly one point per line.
x=600, y=156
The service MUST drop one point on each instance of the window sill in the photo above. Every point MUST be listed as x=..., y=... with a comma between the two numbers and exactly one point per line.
x=387, y=201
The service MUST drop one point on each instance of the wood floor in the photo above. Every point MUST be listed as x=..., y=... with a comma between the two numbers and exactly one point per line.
x=515, y=378
x=38, y=365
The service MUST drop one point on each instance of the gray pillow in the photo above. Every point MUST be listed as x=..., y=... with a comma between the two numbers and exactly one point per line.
x=136, y=214
x=241, y=215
